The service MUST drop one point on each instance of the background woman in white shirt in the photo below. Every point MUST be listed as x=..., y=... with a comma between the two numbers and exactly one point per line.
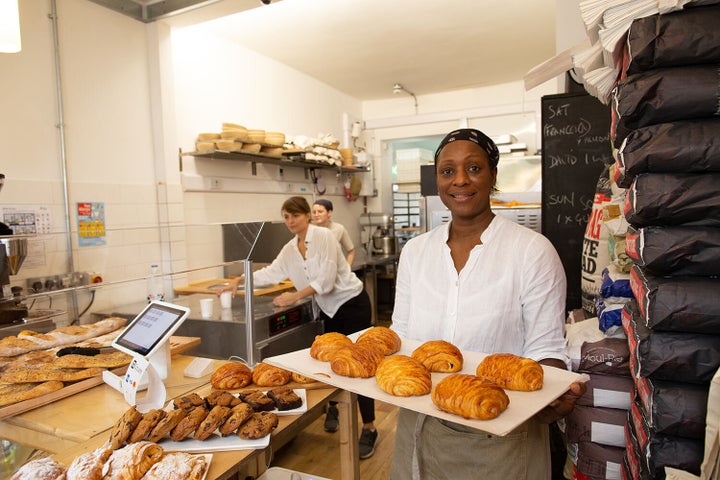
x=314, y=262
x=322, y=211
x=485, y=284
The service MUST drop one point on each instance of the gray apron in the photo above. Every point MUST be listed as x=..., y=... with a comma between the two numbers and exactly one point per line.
x=427, y=448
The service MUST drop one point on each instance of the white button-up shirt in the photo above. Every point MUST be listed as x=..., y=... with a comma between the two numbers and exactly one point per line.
x=324, y=268
x=509, y=297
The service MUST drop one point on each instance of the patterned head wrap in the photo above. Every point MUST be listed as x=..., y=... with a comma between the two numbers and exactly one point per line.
x=475, y=136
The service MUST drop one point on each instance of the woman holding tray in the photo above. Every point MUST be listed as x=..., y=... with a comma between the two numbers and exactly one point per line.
x=314, y=262
x=485, y=284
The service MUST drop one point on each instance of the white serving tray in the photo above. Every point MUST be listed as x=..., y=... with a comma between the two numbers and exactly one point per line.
x=523, y=405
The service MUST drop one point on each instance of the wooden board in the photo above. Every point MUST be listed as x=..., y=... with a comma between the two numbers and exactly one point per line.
x=177, y=345
x=205, y=287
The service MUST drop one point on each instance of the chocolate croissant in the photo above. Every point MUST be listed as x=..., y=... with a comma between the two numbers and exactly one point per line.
x=403, y=376
x=383, y=337
x=356, y=360
x=469, y=397
x=439, y=356
x=231, y=376
x=266, y=375
x=326, y=344
x=511, y=371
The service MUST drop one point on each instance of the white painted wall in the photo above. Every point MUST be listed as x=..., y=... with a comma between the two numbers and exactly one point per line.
x=134, y=93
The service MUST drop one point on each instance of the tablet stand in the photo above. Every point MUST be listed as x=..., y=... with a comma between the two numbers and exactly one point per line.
x=143, y=373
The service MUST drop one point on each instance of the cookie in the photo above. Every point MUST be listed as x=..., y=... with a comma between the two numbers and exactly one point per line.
x=259, y=425
x=239, y=414
x=188, y=402
x=188, y=424
x=149, y=420
x=124, y=427
x=214, y=419
x=165, y=426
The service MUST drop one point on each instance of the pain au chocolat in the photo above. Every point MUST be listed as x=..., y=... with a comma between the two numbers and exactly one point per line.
x=469, y=397
x=511, y=371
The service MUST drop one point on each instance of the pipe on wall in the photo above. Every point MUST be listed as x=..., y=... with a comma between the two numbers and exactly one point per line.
x=63, y=153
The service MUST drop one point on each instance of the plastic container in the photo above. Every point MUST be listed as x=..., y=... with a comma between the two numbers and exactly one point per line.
x=155, y=290
x=279, y=473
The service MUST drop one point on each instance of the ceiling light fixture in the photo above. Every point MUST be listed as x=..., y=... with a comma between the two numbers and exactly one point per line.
x=398, y=88
x=9, y=27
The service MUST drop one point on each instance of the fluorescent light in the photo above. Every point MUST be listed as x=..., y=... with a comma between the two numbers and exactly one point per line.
x=9, y=26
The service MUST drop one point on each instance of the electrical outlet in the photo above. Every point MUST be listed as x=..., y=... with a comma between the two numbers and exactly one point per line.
x=58, y=282
x=289, y=187
x=215, y=184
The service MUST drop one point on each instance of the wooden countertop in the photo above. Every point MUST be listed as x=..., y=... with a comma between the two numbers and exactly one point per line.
x=82, y=422
x=243, y=463
x=206, y=286
x=66, y=422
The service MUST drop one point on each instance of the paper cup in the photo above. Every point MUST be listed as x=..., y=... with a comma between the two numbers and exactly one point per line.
x=226, y=300
x=206, y=307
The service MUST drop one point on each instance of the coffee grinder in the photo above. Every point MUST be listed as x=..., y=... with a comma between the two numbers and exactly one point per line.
x=13, y=250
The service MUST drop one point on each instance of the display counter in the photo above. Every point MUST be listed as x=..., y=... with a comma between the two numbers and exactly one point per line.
x=81, y=423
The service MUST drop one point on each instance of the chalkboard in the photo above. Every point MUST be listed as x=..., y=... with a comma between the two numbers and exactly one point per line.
x=575, y=149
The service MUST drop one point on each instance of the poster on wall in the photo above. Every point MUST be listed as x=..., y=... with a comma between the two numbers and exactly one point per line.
x=91, y=223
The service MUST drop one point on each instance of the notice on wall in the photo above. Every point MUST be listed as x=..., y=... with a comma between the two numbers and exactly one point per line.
x=91, y=223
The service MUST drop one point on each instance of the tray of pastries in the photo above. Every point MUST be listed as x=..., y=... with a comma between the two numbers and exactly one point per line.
x=494, y=393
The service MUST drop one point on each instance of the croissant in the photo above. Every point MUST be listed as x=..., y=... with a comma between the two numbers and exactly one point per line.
x=383, y=337
x=132, y=461
x=511, y=371
x=266, y=375
x=356, y=360
x=469, y=397
x=439, y=356
x=325, y=345
x=403, y=376
x=231, y=376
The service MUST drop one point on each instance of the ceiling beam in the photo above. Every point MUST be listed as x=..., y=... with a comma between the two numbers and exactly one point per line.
x=150, y=12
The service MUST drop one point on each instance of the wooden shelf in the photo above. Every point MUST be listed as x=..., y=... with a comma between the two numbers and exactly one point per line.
x=281, y=160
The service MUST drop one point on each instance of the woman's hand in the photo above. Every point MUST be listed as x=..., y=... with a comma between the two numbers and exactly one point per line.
x=563, y=405
x=285, y=299
x=231, y=287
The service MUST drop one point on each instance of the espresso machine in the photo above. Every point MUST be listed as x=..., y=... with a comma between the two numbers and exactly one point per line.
x=378, y=233
x=13, y=250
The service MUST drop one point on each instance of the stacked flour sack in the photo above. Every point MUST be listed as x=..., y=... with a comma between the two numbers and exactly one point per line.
x=667, y=135
x=594, y=432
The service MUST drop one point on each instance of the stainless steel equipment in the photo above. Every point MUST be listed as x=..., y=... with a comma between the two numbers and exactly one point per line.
x=13, y=251
x=378, y=233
